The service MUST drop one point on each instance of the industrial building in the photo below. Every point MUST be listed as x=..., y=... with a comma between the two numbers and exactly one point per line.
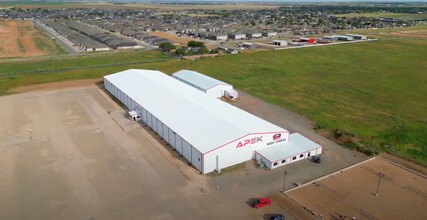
x=209, y=133
x=342, y=37
x=358, y=36
x=280, y=43
x=83, y=41
x=206, y=84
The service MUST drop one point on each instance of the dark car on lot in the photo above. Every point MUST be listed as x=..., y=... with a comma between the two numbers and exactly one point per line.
x=316, y=159
x=277, y=217
x=261, y=202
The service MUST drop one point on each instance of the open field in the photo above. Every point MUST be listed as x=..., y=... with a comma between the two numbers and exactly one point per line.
x=21, y=39
x=351, y=193
x=374, y=91
x=400, y=16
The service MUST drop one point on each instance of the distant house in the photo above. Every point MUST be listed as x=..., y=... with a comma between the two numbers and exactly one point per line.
x=253, y=34
x=248, y=45
x=237, y=36
x=217, y=36
x=213, y=29
x=280, y=43
x=222, y=48
x=231, y=51
x=269, y=34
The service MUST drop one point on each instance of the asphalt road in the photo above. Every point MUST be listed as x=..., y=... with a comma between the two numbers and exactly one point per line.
x=60, y=40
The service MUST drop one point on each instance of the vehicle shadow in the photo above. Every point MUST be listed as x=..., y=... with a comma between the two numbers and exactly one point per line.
x=251, y=201
x=271, y=215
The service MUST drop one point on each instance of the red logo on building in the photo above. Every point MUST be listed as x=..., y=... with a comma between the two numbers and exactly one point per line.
x=249, y=141
x=277, y=136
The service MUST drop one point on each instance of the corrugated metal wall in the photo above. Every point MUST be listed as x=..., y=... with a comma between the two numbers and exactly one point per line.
x=177, y=142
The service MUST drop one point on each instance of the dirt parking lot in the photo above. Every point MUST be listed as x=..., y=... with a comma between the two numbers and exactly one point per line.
x=352, y=193
x=83, y=159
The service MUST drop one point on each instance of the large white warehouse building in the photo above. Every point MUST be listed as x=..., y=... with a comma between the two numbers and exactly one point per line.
x=209, y=133
x=206, y=84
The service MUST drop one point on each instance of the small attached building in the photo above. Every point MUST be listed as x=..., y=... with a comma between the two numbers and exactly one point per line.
x=297, y=148
x=206, y=84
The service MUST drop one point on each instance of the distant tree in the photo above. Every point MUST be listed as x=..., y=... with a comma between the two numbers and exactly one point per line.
x=214, y=51
x=181, y=51
x=193, y=43
x=166, y=46
x=203, y=50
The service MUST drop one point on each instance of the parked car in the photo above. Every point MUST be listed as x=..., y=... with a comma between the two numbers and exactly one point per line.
x=261, y=202
x=316, y=159
x=277, y=217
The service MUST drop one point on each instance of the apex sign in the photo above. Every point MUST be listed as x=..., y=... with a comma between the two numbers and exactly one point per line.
x=249, y=141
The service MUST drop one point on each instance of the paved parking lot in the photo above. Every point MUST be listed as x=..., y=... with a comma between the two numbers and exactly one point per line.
x=82, y=159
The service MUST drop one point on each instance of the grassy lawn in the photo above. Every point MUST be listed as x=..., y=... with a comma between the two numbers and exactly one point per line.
x=400, y=16
x=375, y=91
x=83, y=61
x=45, y=44
x=20, y=46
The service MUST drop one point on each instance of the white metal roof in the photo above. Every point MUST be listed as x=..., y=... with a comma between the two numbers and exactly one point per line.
x=198, y=79
x=296, y=145
x=202, y=120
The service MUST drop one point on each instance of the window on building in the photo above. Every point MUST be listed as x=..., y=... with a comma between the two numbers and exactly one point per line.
x=283, y=161
x=302, y=155
x=294, y=158
x=198, y=159
x=308, y=154
x=275, y=164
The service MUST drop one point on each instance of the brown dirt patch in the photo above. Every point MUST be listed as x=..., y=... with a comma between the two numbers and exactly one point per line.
x=17, y=39
x=351, y=193
x=172, y=37
x=56, y=85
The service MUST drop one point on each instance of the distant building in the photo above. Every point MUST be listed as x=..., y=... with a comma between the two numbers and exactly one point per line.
x=357, y=36
x=343, y=37
x=253, y=34
x=269, y=34
x=237, y=36
x=217, y=36
x=280, y=42
x=248, y=45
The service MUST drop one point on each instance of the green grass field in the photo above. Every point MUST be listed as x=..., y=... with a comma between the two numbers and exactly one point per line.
x=400, y=16
x=375, y=91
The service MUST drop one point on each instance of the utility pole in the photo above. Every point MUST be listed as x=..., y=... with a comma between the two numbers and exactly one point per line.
x=380, y=175
x=284, y=180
